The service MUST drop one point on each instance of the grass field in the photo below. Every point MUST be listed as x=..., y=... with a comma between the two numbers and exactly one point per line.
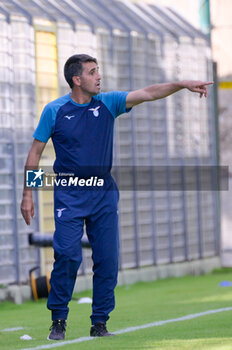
x=138, y=304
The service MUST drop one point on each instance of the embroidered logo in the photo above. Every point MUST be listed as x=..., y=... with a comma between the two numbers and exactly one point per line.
x=95, y=111
x=69, y=116
x=60, y=211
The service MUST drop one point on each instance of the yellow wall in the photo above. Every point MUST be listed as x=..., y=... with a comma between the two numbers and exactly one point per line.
x=47, y=90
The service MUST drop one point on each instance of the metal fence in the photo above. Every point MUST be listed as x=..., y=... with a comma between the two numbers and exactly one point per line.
x=136, y=45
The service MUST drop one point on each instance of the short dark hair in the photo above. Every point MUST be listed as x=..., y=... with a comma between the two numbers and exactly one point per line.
x=73, y=66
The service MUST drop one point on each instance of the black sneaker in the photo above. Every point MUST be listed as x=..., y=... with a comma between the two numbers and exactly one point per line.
x=99, y=330
x=57, y=329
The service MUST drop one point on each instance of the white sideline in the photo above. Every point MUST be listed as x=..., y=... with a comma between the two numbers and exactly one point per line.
x=132, y=329
x=11, y=329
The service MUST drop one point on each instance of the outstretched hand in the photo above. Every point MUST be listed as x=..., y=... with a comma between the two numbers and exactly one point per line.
x=198, y=86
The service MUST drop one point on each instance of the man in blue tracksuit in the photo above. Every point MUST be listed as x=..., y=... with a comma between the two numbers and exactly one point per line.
x=81, y=126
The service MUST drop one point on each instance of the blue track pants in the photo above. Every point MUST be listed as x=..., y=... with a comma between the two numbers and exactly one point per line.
x=98, y=210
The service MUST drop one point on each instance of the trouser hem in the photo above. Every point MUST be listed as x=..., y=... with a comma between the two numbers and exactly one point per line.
x=96, y=319
x=58, y=315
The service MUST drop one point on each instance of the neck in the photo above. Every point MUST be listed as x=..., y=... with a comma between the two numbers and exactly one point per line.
x=80, y=98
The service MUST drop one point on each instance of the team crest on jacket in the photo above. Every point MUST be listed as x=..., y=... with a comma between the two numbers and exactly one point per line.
x=95, y=111
x=59, y=212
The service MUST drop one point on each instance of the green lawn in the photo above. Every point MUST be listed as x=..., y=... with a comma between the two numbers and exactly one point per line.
x=136, y=305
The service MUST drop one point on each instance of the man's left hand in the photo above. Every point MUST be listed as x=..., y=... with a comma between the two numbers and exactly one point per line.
x=197, y=86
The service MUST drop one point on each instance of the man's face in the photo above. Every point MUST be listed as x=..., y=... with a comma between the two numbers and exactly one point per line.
x=90, y=79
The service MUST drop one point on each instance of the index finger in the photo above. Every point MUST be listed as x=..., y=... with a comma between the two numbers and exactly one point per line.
x=208, y=83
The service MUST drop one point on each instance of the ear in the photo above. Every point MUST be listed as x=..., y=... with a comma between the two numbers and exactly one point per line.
x=76, y=80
